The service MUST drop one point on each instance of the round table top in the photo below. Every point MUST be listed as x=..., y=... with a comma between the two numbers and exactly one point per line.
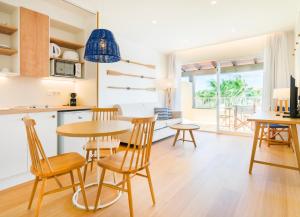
x=94, y=128
x=185, y=127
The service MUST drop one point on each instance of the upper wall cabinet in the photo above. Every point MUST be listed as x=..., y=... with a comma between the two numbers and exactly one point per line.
x=34, y=43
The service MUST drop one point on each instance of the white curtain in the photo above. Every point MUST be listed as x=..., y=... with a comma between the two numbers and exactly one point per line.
x=174, y=73
x=276, y=66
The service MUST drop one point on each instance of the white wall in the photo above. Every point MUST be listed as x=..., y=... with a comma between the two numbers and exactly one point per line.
x=235, y=49
x=232, y=50
x=17, y=91
x=297, y=47
x=135, y=52
x=129, y=50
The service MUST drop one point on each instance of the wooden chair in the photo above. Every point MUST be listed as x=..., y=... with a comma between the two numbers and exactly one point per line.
x=131, y=161
x=274, y=134
x=110, y=143
x=45, y=168
x=241, y=114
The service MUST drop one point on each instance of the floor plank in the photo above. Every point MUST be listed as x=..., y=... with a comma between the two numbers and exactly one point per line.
x=210, y=181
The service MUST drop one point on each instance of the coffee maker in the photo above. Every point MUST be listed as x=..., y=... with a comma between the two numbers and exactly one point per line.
x=73, y=99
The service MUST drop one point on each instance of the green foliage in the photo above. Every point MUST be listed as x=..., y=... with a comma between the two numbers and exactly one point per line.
x=229, y=88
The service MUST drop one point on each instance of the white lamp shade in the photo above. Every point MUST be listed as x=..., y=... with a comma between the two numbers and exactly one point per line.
x=281, y=93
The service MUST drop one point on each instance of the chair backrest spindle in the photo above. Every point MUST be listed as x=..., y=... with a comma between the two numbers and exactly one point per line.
x=37, y=153
x=104, y=114
x=141, y=139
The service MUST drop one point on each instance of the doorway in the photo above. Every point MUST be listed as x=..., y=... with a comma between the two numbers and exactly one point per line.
x=220, y=98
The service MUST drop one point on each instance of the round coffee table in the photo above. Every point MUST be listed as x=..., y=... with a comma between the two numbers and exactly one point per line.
x=183, y=128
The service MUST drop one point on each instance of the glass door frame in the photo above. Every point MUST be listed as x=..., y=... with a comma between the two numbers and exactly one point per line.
x=218, y=129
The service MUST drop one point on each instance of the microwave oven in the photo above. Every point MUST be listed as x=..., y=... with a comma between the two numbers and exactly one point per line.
x=62, y=68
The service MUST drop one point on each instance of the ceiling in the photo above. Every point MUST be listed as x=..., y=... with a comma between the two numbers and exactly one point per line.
x=171, y=25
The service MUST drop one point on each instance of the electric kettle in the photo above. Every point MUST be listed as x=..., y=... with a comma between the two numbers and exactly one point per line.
x=54, y=50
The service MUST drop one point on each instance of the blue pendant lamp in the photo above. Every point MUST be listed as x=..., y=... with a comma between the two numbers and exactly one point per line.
x=102, y=47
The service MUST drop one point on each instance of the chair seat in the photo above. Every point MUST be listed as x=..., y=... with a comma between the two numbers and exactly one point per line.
x=60, y=164
x=278, y=126
x=114, y=162
x=103, y=144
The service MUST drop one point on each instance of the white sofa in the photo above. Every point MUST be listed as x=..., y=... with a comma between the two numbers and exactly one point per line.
x=161, y=130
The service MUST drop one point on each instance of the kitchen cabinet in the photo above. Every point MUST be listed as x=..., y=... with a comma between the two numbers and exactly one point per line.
x=13, y=148
x=68, y=144
x=34, y=43
x=46, y=124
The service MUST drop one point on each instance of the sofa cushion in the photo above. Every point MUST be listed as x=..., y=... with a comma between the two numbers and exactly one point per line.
x=136, y=109
x=173, y=121
x=159, y=124
x=163, y=113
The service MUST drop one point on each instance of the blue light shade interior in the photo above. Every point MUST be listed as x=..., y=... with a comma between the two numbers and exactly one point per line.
x=102, y=47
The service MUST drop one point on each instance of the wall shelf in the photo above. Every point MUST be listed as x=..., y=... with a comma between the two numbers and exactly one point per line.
x=7, y=51
x=9, y=30
x=66, y=44
x=66, y=60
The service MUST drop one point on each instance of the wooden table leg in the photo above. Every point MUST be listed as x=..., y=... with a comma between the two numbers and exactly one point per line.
x=176, y=137
x=183, y=136
x=192, y=136
x=296, y=143
x=262, y=131
x=255, y=139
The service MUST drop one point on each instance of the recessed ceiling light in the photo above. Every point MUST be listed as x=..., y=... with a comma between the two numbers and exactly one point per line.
x=154, y=21
x=213, y=2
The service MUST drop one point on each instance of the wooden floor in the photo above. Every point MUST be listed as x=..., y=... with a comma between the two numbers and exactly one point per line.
x=211, y=181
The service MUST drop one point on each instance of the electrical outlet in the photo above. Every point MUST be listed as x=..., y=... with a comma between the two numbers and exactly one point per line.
x=50, y=93
x=53, y=93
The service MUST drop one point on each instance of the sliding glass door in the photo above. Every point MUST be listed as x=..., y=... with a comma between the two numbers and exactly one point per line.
x=240, y=97
x=221, y=99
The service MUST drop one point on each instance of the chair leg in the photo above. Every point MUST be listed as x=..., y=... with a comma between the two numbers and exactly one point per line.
x=150, y=185
x=36, y=181
x=129, y=195
x=123, y=179
x=86, y=164
x=72, y=180
x=40, y=197
x=82, y=189
x=113, y=173
x=92, y=160
x=99, y=189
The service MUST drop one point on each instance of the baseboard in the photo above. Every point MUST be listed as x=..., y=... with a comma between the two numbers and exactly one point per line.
x=15, y=180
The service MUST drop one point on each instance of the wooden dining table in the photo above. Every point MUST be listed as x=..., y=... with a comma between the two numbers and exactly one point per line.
x=94, y=129
x=267, y=118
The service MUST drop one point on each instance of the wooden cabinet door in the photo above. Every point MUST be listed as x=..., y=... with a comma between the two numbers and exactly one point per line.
x=34, y=43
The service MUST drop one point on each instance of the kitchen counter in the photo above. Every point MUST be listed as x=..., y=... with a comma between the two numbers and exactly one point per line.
x=19, y=110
